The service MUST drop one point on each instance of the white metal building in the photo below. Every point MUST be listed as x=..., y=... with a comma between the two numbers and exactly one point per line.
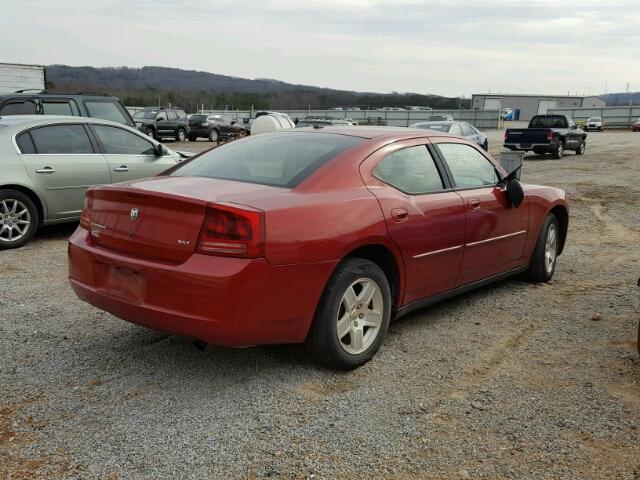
x=530, y=105
x=16, y=76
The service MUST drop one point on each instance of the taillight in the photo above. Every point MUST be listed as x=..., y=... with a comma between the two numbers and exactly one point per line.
x=232, y=231
x=505, y=135
x=85, y=218
x=549, y=136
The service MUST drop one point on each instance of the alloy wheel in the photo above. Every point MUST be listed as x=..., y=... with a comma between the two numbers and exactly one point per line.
x=360, y=316
x=213, y=135
x=15, y=220
x=550, y=249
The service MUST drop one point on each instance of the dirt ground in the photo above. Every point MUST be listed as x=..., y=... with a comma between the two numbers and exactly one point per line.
x=513, y=381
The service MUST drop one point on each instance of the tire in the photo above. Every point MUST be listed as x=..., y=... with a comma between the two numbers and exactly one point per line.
x=580, y=150
x=181, y=135
x=545, y=253
x=213, y=135
x=149, y=132
x=485, y=145
x=359, y=342
x=559, y=151
x=13, y=232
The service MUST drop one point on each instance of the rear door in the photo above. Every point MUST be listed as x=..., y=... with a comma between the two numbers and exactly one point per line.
x=424, y=216
x=495, y=232
x=63, y=162
x=60, y=106
x=130, y=155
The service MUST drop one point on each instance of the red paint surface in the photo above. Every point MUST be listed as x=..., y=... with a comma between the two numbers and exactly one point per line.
x=146, y=271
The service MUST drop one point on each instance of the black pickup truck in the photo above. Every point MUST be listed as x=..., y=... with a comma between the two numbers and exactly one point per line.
x=552, y=134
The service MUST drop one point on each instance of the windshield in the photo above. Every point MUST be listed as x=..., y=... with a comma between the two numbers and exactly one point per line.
x=594, y=119
x=151, y=114
x=278, y=159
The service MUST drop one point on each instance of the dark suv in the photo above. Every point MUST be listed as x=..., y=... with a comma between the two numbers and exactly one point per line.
x=94, y=105
x=214, y=128
x=163, y=122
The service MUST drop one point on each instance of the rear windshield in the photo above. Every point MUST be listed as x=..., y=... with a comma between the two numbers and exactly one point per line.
x=198, y=118
x=278, y=159
x=548, y=121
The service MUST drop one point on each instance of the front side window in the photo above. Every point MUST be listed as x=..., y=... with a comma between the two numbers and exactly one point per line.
x=117, y=141
x=411, y=170
x=171, y=115
x=467, y=130
x=470, y=169
x=107, y=111
x=23, y=107
x=67, y=108
x=69, y=139
x=279, y=159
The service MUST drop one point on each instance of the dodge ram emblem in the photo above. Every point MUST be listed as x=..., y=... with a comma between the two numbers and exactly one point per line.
x=133, y=214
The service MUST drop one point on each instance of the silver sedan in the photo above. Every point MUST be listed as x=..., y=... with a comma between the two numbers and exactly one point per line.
x=48, y=162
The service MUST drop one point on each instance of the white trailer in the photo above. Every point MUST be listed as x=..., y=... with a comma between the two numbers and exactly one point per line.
x=15, y=76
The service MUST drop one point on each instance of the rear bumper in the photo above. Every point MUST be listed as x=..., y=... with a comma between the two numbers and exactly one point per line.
x=224, y=301
x=524, y=147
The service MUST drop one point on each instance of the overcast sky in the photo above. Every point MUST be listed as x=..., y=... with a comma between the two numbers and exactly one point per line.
x=443, y=47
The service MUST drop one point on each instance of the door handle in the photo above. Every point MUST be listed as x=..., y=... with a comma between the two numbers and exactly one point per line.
x=399, y=214
x=121, y=168
x=45, y=170
x=474, y=204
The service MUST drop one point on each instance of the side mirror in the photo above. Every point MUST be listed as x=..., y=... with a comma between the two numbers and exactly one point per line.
x=515, y=192
x=159, y=150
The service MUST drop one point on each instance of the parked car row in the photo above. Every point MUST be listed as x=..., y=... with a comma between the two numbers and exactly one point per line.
x=460, y=129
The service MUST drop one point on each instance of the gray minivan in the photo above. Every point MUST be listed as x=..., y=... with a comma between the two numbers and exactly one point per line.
x=48, y=162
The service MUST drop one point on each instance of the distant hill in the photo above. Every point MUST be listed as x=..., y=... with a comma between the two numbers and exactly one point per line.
x=621, y=99
x=188, y=88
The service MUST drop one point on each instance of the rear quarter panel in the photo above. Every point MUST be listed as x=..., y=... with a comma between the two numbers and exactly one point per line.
x=541, y=201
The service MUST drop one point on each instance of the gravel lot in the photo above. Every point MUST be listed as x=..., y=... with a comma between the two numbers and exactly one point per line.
x=513, y=381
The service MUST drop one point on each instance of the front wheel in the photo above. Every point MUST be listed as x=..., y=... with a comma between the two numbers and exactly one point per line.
x=580, y=150
x=181, y=135
x=19, y=219
x=213, y=135
x=150, y=133
x=545, y=254
x=352, y=317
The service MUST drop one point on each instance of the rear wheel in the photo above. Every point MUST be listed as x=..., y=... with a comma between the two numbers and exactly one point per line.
x=543, y=261
x=559, y=151
x=352, y=317
x=19, y=219
x=580, y=150
x=192, y=138
x=485, y=145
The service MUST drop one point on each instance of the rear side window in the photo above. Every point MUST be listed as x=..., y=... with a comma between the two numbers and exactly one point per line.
x=470, y=169
x=171, y=115
x=181, y=114
x=117, y=141
x=61, y=139
x=411, y=170
x=25, y=143
x=279, y=159
x=467, y=130
x=107, y=111
x=22, y=107
x=60, y=108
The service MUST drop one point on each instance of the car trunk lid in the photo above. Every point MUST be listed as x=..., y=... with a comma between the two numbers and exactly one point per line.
x=160, y=218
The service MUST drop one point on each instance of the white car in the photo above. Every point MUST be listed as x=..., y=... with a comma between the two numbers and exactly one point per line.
x=48, y=162
x=594, y=123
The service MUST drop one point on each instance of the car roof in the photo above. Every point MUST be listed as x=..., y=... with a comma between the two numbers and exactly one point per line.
x=374, y=132
x=20, y=122
x=54, y=94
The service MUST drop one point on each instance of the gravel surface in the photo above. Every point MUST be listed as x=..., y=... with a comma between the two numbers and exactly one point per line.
x=513, y=381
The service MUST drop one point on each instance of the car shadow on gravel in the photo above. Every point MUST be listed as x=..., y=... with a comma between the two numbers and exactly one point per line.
x=60, y=231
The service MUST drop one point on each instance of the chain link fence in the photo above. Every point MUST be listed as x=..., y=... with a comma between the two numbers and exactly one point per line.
x=621, y=117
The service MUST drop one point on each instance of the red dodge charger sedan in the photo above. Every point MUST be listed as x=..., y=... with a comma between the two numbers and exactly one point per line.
x=315, y=235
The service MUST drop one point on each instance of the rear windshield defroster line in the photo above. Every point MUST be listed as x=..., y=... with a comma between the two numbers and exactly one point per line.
x=278, y=159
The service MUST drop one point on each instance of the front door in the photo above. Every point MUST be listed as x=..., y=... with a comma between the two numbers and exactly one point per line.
x=495, y=231
x=61, y=161
x=424, y=217
x=130, y=155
